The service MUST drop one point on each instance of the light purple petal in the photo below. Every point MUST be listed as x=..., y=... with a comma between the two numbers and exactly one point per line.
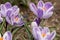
x=46, y=29
x=52, y=35
x=47, y=15
x=40, y=13
x=19, y=23
x=8, y=13
x=35, y=30
x=8, y=5
x=3, y=10
x=8, y=16
x=33, y=8
x=40, y=4
x=8, y=19
x=15, y=10
x=48, y=5
x=7, y=36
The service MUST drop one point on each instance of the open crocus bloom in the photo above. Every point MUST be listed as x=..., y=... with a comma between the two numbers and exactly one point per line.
x=4, y=8
x=6, y=36
x=40, y=33
x=42, y=10
x=13, y=17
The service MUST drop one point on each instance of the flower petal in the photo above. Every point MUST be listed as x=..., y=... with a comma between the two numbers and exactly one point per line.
x=17, y=23
x=36, y=31
x=40, y=13
x=47, y=15
x=8, y=5
x=40, y=4
x=52, y=35
x=48, y=5
x=3, y=10
x=8, y=16
x=46, y=29
x=33, y=8
x=7, y=36
x=15, y=10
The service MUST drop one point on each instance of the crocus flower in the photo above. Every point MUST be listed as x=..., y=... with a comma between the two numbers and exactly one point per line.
x=40, y=33
x=11, y=13
x=13, y=17
x=6, y=36
x=4, y=8
x=42, y=10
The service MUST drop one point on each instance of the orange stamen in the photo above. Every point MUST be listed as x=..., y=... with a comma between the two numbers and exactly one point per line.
x=16, y=19
x=44, y=8
x=1, y=38
x=43, y=35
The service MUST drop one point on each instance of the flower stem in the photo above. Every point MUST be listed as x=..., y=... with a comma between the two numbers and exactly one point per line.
x=2, y=26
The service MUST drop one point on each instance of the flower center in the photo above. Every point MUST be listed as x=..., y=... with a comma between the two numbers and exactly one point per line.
x=43, y=34
x=16, y=18
x=44, y=8
x=1, y=38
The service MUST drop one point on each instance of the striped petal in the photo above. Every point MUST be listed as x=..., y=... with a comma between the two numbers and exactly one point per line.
x=48, y=5
x=7, y=36
x=40, y=4
x=8, y=5
x=33, y=8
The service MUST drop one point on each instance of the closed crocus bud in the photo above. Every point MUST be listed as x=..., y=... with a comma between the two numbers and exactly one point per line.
x=40, y=33
x=42, y=10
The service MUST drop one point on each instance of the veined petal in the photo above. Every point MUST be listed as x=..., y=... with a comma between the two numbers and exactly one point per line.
x=35, y=29
x=40, y=4
x=33, y=8
x=52, y=35
x=46, y=29
x=48, y=5
x=3, y=10
x=8, y=5
x=47, y=15
x=40, y=13
x=15, y=10
x=17, y=20
x=50, y=9
x=7, y=36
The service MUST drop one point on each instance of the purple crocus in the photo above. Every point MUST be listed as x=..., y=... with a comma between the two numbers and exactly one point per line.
x=6, y=36
x=13, y=17
x=4, y=8
x=42, y=10
x=40, y=33
x=11, y=13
